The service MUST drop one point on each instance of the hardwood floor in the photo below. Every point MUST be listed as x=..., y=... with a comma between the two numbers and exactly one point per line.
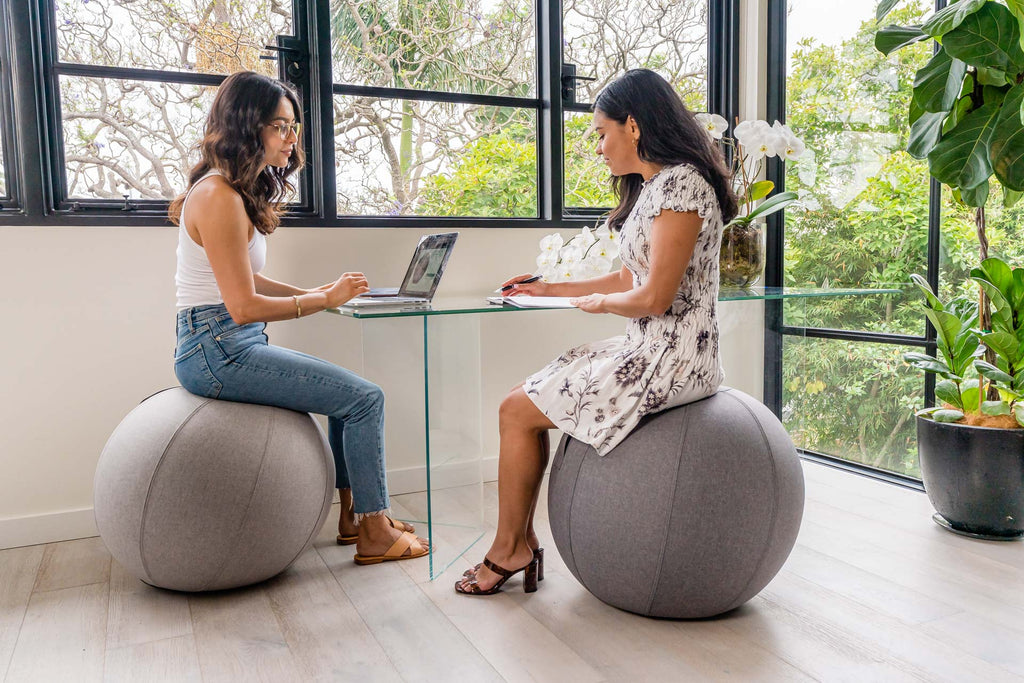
x=874, y=591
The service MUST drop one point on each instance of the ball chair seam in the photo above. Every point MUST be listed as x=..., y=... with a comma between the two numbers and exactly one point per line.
x=152, y=482
x=328, y=496
x=564, y=447
x=775, y=504
x=248, y=506
x=656, y=583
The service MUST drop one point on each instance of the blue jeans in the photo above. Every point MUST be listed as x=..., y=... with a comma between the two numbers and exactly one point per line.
x=218, y=358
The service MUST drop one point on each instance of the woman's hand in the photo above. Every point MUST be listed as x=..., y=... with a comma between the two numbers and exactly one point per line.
x=346, y=287
x=537, y=288
x=592, y=303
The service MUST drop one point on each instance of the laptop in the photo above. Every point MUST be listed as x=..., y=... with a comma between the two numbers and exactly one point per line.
x=421, y=277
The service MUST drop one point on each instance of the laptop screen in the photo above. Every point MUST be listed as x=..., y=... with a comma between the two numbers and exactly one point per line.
x=428, y=264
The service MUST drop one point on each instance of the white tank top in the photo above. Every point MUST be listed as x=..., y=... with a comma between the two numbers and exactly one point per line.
x=194, y=278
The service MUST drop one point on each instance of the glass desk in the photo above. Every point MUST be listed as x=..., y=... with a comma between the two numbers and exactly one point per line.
x=448, y=362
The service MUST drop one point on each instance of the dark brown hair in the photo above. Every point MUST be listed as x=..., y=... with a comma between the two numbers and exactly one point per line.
x=233, y=144
x=669, y=135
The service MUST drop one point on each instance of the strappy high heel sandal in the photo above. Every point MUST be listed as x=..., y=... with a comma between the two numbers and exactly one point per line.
x=538, y=554
x=529, y=579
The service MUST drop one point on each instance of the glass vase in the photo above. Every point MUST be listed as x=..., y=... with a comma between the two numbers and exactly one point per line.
x=742, y=257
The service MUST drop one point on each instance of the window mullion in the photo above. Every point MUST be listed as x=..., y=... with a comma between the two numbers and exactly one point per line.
x=550, y=118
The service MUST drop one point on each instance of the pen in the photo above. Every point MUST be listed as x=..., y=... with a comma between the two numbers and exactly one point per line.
x=521, y=282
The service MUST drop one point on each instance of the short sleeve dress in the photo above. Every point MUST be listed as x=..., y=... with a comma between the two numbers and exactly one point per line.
x=598, y=392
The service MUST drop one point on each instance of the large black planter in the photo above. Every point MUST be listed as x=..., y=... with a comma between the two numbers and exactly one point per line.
x=974, y=477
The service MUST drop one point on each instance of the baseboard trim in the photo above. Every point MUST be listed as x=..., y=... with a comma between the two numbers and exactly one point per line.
x=51, y=527
x=68, y=525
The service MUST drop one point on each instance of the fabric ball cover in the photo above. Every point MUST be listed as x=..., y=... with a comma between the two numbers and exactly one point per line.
x=691, y=516
x=196, y=494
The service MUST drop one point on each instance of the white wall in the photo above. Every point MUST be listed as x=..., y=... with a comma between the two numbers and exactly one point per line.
x=89, y=332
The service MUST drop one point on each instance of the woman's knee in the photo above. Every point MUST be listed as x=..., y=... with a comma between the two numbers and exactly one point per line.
x=514, y=407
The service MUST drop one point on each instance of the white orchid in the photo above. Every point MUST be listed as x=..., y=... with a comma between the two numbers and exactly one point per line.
x=551, y=243
x=605, y=234
x=790, y=147
x=546, y=259
x=590, y=253
x=753, y=141
x=713, y=124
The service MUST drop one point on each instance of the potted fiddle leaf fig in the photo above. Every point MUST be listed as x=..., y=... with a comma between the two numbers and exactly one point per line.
x=966, y=120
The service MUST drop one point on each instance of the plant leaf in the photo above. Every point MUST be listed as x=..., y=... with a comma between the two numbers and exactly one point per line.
x=1007, y=144
x=892, y=38
x=949, y=392
x=975, y=196
x=1004, y=344
x=951, y=16
x=988, y=38
x=923, y=285
x=995, y=408
x=1002, y=314
x=961, y=157
x=937, y=84
x=991, y=372
x=1018, y=413
x=998, y=272
x=947, y=415
x=925, y=362
x=773, y=204
x=884, y=7
x=1017, y=9
x=1011, y=197
x=947, y=326
x=925, y=133
x=969, y=396
x=760, y=190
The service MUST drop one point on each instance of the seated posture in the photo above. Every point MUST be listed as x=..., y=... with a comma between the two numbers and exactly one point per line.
x=234, y=200
x=674, y=195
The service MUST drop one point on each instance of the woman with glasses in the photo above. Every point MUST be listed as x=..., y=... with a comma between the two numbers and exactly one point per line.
x=235, y=198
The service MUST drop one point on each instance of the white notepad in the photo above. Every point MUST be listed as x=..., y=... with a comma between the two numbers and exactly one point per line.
x=533, y=301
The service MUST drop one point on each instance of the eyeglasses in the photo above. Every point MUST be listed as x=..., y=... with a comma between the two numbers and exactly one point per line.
x=283, y=129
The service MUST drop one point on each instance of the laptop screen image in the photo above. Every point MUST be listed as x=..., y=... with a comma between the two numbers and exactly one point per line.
x=427, y=265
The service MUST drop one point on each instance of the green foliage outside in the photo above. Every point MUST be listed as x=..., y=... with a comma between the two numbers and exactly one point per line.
x=865, y=224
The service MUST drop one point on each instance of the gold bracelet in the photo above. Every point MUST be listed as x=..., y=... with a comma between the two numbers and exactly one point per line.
x=298, y=306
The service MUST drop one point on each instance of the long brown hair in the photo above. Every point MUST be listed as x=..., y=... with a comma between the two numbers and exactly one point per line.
x=233, y=144
x=669, y=134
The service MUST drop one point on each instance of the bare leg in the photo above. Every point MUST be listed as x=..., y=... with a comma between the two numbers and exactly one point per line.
x=347, y=519
x=545, y=449
x=521, y=462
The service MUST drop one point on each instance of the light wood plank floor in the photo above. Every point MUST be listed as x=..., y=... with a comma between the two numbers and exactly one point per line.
x=874, y=591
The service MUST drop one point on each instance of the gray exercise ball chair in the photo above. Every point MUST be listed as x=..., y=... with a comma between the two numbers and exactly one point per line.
x=196, y=494
x=690, y=516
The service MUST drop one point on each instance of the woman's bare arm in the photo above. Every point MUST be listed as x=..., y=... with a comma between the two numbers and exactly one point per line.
x=673, y=238
x=223, y=228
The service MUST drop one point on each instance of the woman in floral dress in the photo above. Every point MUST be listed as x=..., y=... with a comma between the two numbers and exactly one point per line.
x=674, y=197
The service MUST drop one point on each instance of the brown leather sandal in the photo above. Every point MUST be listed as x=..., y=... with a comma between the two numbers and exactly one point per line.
x=349, y=540
x=529, y=579
x=538, y=554
x=397, y=550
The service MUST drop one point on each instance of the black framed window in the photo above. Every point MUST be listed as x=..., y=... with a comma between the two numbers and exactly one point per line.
x=599, y=42
x=6, y=119
x=127, y=88
x=870, y=216
x=447, y=113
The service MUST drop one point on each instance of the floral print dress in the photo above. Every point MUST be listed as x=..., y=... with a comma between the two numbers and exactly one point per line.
x=598, y=392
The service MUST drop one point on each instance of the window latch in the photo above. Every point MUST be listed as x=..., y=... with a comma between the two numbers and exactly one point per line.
x=569, y=79
x=291, y=57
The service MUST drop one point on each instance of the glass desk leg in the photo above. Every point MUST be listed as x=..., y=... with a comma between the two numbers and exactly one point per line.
x=452, y=405
x=429, y=368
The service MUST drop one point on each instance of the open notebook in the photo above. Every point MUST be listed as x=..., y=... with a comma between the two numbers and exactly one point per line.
x=533, y=301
